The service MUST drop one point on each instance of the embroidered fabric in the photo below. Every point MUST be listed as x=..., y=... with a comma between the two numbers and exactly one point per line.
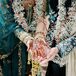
x=65, y=31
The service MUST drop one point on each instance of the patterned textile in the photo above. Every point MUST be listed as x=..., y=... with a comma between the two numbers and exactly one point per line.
x=66, y=46
x=65, y=31
x=64, y=27
x=61, y=30
x=12, y=53
x=7, y=22
x=7, y=26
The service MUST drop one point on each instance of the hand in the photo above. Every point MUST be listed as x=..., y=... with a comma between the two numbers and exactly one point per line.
x=29, y=43
x=38, y=49
x=43, y=61
x=51, y=55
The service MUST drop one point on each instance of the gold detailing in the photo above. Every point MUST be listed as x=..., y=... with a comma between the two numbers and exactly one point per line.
x=19, y=63
x=35, y=67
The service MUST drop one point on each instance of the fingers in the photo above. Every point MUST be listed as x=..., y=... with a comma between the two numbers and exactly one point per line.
x=51, y=57
x=29, y=45
x=40, y=59
x=44, y=63
x=41, y=52
x=52, y=54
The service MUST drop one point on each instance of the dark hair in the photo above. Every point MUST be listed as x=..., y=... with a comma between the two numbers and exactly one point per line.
x=54, y=5
x=68, y=3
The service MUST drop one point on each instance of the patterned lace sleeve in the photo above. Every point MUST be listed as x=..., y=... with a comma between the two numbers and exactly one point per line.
x=22, y=35
x=66, y=46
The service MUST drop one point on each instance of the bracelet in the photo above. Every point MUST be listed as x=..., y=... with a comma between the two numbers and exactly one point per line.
x=40, y=36
x=40, y=33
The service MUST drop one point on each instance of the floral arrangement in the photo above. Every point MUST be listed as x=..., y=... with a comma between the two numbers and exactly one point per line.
x=19, y=13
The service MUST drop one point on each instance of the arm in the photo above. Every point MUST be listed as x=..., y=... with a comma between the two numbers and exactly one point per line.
x=67, y=38
x=23, y=36
x=66, y=46
x=63, y=49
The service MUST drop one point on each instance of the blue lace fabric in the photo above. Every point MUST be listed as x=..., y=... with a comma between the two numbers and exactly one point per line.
x=66, y=46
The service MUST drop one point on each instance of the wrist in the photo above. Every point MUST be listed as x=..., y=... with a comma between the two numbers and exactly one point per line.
x=57, y=50
x=42, y=25
x=27, y=40
x=40, y=36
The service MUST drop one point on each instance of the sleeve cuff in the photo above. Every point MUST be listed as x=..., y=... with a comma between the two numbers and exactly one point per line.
x=66, y=46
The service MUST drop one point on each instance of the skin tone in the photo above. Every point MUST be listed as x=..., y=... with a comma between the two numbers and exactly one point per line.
x=28, y=3
x=52, y=51
x=39, y=54
x=42, y=26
